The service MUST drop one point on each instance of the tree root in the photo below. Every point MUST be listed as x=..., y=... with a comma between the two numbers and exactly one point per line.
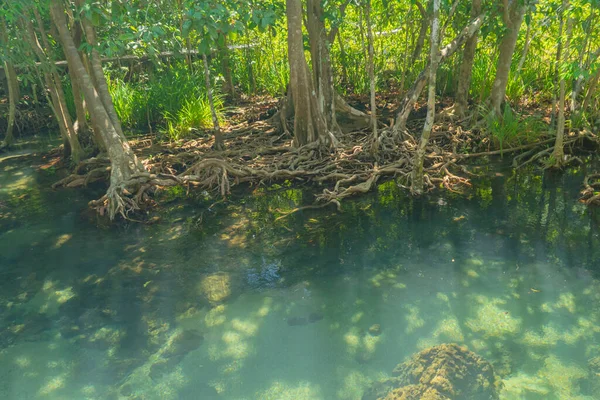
x=591, y=194
x=313, y=207
x=258, y=153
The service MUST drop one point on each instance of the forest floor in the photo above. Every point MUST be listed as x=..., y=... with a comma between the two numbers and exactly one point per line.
x=259, y=151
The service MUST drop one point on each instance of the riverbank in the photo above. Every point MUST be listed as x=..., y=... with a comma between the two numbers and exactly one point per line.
x=261, y=152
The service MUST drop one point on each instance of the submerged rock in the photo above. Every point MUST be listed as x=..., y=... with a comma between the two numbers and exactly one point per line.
x=300, y=321
x=216, y=288
x=414, y=392
x=315, y=317
x=444, y=372
x=375, y=330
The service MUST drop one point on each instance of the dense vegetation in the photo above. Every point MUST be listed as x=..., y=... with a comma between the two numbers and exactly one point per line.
x=147, y=94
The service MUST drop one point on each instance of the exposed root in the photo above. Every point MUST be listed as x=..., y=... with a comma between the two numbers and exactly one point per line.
x=261, y=153
x=314, y=207
x=591, y=194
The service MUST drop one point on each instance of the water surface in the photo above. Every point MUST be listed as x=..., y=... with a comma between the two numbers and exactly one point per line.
x=228, y=303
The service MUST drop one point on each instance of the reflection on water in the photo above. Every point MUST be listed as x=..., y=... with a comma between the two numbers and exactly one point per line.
x=228, y=303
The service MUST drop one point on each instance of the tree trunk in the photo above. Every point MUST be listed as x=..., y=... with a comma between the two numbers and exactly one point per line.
x=578, y=81
x=556, y=77
x=97, y=72
x=228, y=87
x=82, y=126
x=124, y=163
x=406, y=42
x=211, y=101
x=343, y=62
x=54, y=84
x=528, y=39
x=249, y=69
x=371, y=68
x=417, y=172
x=321, y=62
x=513, y=19
x=422, y=33
x=309, y=122
x=466, y=66
x=13, y=89
x=413, y=94
x=591, y=90
x=559, y=153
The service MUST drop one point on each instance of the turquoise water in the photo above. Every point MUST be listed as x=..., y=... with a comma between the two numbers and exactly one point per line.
x=228, y=303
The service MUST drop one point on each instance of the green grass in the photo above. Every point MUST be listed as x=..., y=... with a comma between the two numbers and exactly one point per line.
x=193, y=116
x=173, y=101
x=130, y=103
x=510, y=130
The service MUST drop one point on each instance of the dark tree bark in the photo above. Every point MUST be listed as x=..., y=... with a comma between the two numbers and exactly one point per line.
x=422, y=32
x=466, y=66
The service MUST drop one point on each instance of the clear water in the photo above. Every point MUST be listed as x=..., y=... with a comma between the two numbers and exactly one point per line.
x=282, y=309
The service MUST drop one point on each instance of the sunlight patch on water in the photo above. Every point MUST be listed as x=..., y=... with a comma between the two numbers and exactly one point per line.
x=62, y=239
x=413, y=319
x=492, y=320
x=49, y=299
x=285, y=391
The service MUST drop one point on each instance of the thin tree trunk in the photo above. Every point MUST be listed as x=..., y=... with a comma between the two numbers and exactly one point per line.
x=343, y=61
x=13, y=89
x=54, y=84
x=228, y=87
x=591, y=90
x=513, y=19
x=417, y=172
x=528, y=40
x=466, y=66
x=251, y=78
x=371, y=67
x=211, y=101
x=188, y=55
x=559, y=152
x=13, y=84
x=406, y=59
x=422, y=32
x=124, y=163
x=76, y=150
x=413, y=94
x=578, y=82
x=556, y=78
